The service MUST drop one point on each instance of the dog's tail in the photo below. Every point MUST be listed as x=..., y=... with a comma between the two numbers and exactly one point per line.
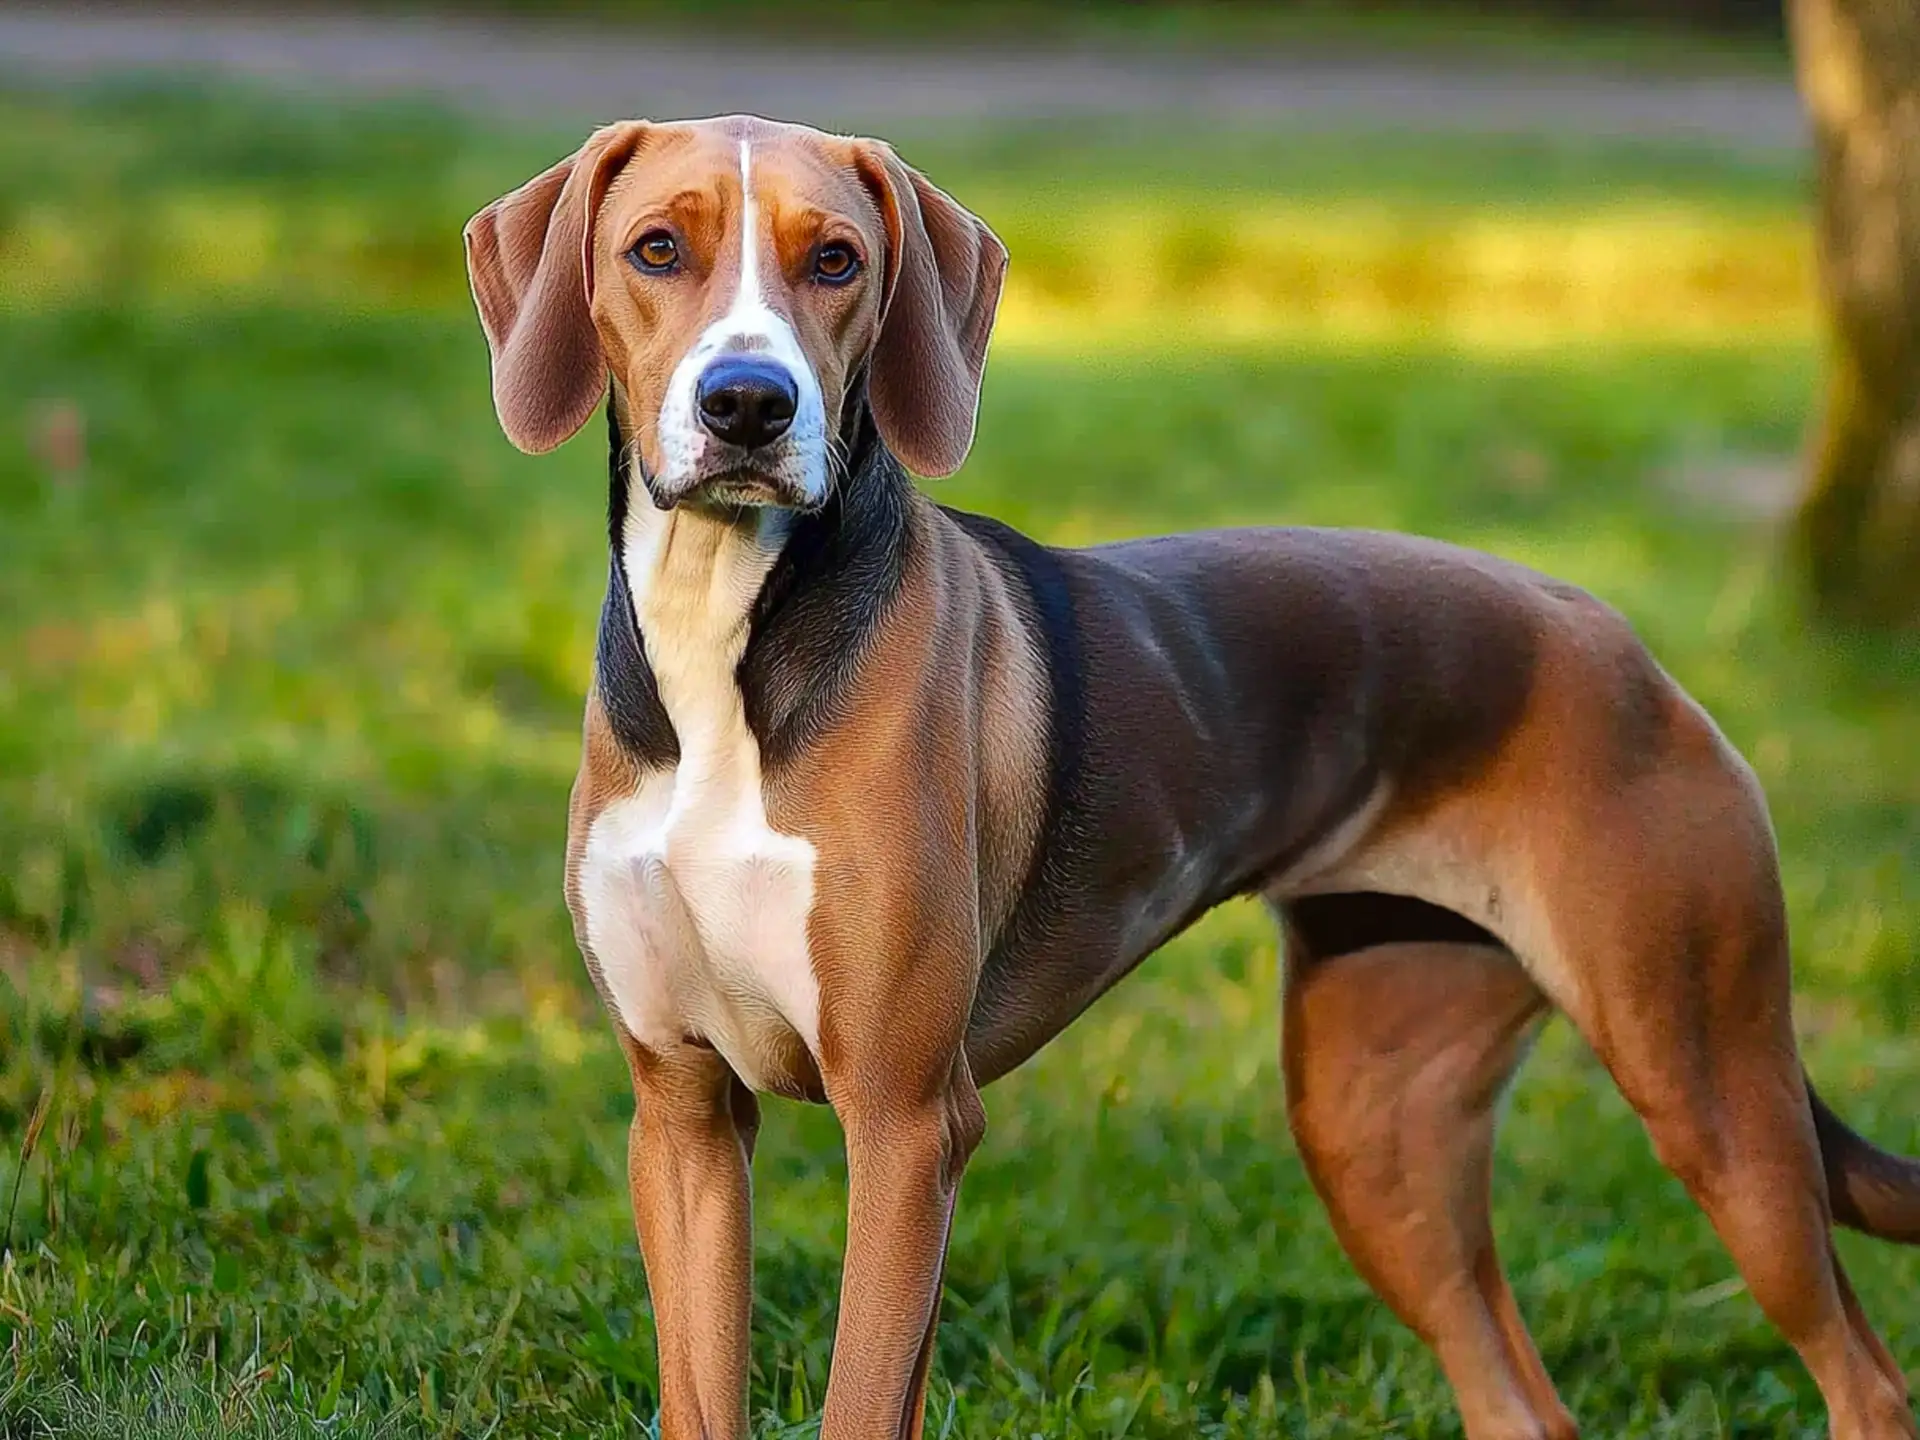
x=1872, y=1191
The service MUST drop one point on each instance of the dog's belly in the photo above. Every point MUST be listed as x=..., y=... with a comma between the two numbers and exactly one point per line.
x=697, y=916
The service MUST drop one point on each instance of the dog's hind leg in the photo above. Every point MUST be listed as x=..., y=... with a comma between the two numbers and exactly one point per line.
x=1395, y=1056
x=1671, y=943
x=1684, y=995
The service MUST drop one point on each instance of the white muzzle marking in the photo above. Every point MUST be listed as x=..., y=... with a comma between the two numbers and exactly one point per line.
x=795, y=465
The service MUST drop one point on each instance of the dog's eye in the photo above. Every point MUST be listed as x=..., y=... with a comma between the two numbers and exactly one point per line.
x=654, y=253
x=836, y=263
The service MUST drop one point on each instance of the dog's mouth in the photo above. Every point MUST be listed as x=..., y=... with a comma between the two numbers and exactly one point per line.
x=748, y=487
x=743, y=487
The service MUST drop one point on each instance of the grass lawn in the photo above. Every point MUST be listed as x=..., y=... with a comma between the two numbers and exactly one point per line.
x=322, y=1131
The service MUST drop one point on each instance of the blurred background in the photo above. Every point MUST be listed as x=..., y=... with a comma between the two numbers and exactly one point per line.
x=309, y=1123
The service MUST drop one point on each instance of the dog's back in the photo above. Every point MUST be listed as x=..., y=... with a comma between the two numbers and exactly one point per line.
x=1230, y=712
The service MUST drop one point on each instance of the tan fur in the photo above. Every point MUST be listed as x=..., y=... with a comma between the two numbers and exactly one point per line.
x=1608, y=884
x=921, y=833
x=1394, y=1060
x=605, y=775
x=940, y=753
x=1012, y=721
x=687, y=1167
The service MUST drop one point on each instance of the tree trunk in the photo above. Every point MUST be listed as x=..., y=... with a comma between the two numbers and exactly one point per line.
x=1858, y=531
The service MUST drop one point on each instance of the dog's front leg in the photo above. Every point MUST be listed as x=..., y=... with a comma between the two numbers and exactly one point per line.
x=907, y=1142
x=687, y=1166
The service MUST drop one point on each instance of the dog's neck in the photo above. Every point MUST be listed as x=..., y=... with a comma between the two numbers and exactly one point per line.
x=784, y=600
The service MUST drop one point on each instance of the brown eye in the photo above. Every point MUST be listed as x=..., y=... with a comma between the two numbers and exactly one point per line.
x=835, y=263
x=654, y=253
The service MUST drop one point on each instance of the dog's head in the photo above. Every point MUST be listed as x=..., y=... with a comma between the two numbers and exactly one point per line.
x=745, y=283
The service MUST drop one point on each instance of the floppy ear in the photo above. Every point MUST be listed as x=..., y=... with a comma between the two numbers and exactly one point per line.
x=530, y=263
x=944, y=268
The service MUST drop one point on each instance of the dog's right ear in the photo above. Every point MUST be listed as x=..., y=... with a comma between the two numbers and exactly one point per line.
x=529, y=261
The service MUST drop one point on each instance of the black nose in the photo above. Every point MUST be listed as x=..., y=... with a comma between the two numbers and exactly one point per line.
x=747, y=401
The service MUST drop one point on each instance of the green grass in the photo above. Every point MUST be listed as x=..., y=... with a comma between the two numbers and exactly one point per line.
x=333, y=1135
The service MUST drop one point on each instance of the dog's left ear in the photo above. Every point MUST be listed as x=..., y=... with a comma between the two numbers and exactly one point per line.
x=530, y=263
x=942, y=286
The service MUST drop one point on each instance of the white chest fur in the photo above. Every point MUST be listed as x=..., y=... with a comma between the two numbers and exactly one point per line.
x=695, y=907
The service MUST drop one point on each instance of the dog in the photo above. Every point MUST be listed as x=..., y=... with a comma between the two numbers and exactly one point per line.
x=876, y=797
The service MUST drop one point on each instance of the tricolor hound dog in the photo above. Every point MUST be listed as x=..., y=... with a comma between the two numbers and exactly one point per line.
x=877, y=797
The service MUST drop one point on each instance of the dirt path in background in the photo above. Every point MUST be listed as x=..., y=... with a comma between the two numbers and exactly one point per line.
x=581, y=73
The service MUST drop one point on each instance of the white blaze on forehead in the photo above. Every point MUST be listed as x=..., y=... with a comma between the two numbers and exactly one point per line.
x=749, y=326
x=749, y=231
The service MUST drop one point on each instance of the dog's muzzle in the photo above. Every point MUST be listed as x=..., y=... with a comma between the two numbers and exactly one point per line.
x=746, y=405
